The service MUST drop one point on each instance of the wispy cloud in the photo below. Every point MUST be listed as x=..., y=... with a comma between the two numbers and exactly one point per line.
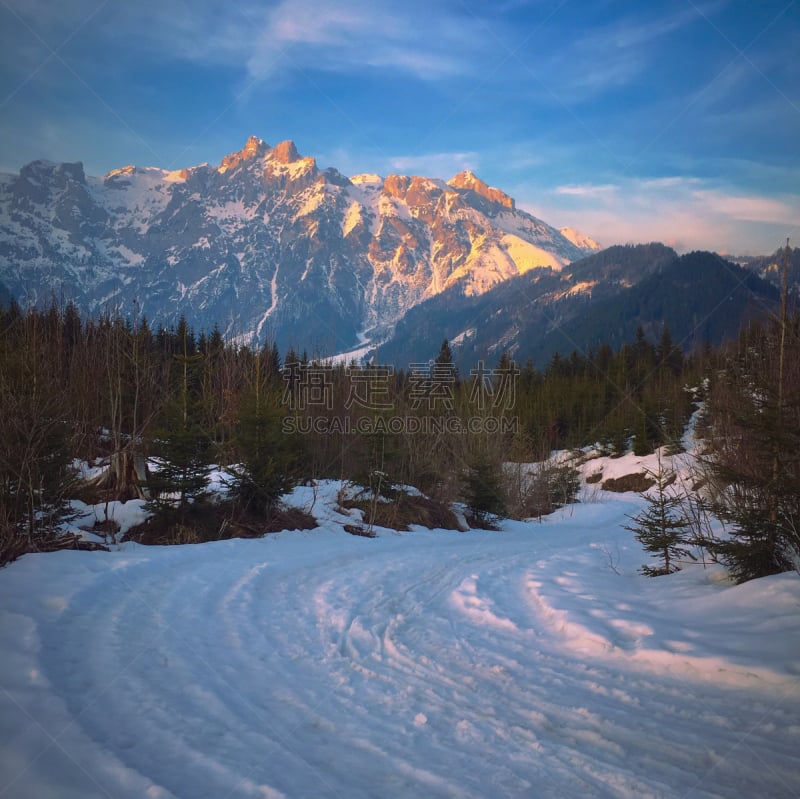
x=427, y=41
x=751, y=209
x=685, y=212
x=365, y=33
x=610, y=55
x=594, y=192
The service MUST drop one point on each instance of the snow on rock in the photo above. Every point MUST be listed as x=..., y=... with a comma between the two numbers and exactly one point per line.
x=527, y=256
x=123, y=514
x=468, y=180
x=229, y=245
x=510, y=663
x=579, y=239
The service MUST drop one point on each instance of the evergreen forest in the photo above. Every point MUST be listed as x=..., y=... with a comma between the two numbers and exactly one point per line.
x=151, y=412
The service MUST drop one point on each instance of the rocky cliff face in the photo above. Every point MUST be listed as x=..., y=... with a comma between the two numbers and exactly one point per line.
x=264, y=244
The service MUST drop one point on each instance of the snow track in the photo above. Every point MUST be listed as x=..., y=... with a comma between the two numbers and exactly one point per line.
x=427, y=664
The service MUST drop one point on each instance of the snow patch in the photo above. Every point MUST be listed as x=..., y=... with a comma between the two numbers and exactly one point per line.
x=527, y=256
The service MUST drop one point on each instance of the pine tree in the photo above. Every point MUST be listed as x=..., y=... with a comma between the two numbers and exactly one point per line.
x=642, y=445
x=444, y=367
x=754, y=411
x=445, y=356
x=183, y=445
x=668, y=356
x=661, y=527
x=482, y=487
x=184, y=449
x=269, y=459
x=275, y=364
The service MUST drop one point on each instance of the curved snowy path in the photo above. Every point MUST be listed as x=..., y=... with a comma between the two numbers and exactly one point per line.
x=427, y=664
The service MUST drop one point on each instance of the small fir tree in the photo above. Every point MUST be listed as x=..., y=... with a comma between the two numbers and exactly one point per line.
x=661, y=527
x=483, y=488
x=184, y=449
x=183, y=445
x=269, y=459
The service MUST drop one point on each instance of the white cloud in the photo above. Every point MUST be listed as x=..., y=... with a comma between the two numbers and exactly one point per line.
x=587, y=190
x=358, y=33
x=427, y=41
x=424, y=41
x=750, y=208
x=310, y=22
x=684, y=212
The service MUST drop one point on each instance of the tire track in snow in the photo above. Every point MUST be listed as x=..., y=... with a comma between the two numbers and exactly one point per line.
x=416, y=665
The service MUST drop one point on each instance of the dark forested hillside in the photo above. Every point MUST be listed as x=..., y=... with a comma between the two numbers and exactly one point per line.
x=622, y=264
x=701, y=297
x=604, y=298
x=770, y=267
x=5, y=296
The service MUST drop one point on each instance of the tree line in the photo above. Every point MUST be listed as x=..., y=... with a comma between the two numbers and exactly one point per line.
x=153, y=409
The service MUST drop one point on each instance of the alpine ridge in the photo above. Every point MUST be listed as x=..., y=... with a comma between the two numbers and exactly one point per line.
x=265, y=244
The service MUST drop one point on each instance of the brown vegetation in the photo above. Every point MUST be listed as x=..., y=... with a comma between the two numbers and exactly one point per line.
x=638, y=482
x=217, y=523
x=404, y=510
x=16, y=547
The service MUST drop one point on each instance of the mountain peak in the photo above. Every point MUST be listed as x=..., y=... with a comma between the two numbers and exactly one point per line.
x=253, y=148
x=285, y=152
x=284, y=163
x=469, y=180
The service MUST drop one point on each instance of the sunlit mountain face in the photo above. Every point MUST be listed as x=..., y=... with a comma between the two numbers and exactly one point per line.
x=265, y=244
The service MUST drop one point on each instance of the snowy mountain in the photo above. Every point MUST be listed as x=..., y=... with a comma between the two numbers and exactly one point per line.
x=265, y=243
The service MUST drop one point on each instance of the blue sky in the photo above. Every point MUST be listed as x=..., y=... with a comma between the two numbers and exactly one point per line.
x=675, y=121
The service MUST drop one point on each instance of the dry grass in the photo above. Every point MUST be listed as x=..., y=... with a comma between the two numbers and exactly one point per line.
x=362, y=532
x=638, y=482
x=217, y=523
x=404, y=510
x=13, y=547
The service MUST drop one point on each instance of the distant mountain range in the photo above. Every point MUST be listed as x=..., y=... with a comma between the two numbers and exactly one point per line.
x=265, y=244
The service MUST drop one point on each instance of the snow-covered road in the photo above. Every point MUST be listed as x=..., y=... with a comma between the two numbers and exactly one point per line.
x=530, y=662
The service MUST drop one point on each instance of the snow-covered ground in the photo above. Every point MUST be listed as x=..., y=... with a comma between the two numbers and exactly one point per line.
x=533, y=661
